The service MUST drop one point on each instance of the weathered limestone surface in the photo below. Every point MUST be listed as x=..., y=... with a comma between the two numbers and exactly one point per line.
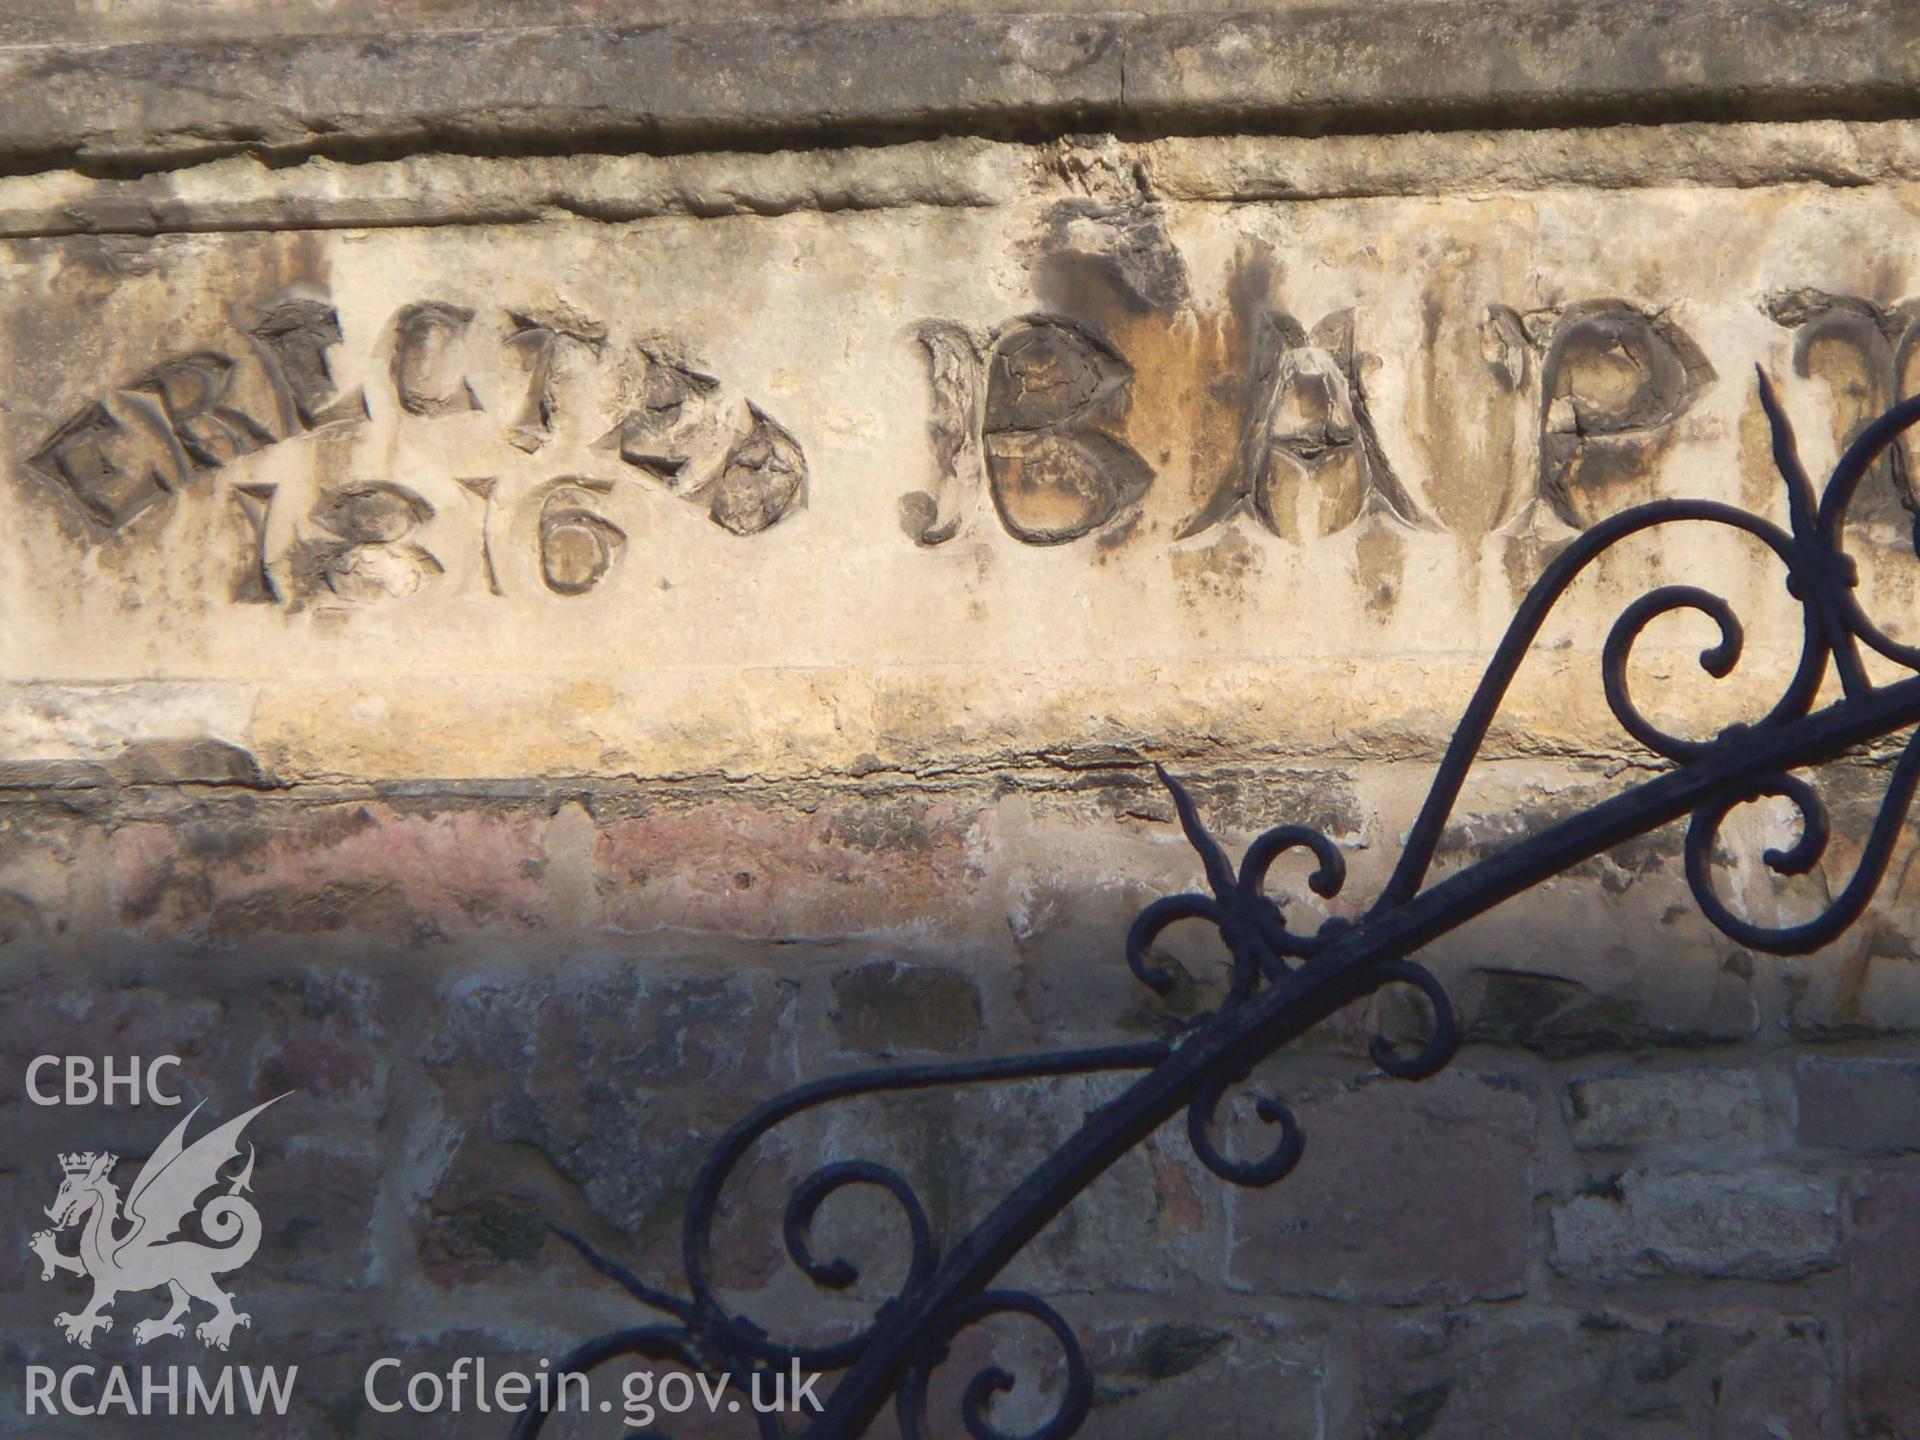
x=561, y=576
x=295, y=480
x=480, y=74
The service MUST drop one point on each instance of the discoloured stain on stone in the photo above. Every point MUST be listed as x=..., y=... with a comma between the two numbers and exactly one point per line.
x=764, y=870
x=886, y=1007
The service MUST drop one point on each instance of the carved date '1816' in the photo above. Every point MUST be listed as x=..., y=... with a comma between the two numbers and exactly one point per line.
x=677, y=429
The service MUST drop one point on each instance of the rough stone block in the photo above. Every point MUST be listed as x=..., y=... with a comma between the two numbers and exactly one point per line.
x=747, y=868
x=1752, y=1225
x=407, y=878
x=322, y=1039
x=1405, y=1193
x=621, y=1080
x=1699, y=1107
x=1874, y=995
x=1864, y=1107
x=490, y=1210
x=41, y=859
x=1151, y=1219
x=190, y=761
x=527, y=74
x=1058, y=928
x=1882, y=1319
x=1567, y=1003
x=1780, y=1382
x=642, y=79
x=1619, y=959
x=23, y=926
x=1231, y=1379
x=317, y=1204
x=1464, y=1375
x=16, y=1189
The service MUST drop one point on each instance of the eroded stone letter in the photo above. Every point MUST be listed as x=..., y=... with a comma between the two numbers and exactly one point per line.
x=578, y=546
x=370, y=556
x=537, y=339
x=427, y=374
x=1031, y=413
x=297, y=331
x=197, y=394
x=113, y=458
x=730, y=457
x=1869, y=356
x=1309, y=462
x=1613, y=379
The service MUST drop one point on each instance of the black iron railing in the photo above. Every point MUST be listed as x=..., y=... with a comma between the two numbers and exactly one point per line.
x=1283, y=982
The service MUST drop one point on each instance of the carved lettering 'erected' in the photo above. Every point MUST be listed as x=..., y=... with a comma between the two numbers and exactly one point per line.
x=524, y=373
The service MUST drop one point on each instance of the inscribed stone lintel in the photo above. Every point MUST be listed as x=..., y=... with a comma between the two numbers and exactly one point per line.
x=777, y=493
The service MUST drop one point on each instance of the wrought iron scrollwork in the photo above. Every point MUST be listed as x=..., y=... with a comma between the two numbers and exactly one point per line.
x=1071, y=1409
x=1252, y=926
x=1284, y=981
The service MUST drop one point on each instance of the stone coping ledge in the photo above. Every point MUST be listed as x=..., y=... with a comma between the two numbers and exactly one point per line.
x=249, y=193
x=759, y=83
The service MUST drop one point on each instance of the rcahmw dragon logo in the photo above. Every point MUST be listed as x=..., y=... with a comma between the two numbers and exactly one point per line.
x=145, y=1256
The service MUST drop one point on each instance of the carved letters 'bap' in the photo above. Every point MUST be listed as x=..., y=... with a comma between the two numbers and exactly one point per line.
x=1035, y=413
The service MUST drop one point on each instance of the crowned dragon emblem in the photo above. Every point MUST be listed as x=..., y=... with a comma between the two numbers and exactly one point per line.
x=145, y=1255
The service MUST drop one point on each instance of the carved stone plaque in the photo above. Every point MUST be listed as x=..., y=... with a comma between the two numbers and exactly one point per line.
x=1081, y=460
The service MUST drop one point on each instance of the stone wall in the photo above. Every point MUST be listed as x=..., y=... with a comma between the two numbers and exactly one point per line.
x=561, y=577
